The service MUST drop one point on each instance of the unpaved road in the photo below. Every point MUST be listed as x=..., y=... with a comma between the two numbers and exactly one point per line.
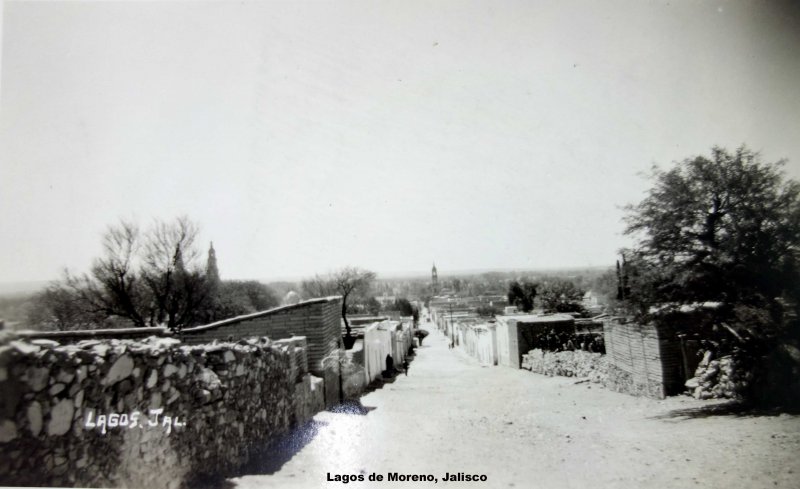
x=529, y=431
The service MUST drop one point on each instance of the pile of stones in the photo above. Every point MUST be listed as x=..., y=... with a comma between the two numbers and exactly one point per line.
x=577, y=363
x=720, y=378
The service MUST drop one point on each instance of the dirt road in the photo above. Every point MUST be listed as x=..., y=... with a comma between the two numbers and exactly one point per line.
x=524, y=430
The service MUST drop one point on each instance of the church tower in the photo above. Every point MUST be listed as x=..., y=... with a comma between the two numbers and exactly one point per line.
x=434, y=278
x=212, y=272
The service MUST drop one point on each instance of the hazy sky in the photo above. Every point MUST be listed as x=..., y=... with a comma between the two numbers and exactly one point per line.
x=304, y=136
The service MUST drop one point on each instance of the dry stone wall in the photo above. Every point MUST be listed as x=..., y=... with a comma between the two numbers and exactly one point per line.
x=153, y=413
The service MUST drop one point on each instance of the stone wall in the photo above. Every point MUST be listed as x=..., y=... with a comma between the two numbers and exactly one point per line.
x=318, y=320
x=95, y=334
x=567, y=364
x=80, y=414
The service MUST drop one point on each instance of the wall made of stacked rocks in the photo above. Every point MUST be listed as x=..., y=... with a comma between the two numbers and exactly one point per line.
x=719, y=378
x=152, y=413
x=578, y=363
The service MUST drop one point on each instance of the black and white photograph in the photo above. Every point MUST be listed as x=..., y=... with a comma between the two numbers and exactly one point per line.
x=400, y=244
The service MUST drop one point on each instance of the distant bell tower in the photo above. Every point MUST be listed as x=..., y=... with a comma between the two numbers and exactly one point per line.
x=434, y=278
x=212, y=272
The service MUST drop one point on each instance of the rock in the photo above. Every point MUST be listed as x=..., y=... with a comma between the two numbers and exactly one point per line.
x=204, y=396
x=155, y=400
x=170, y=369
x=37, y=378
x=152, y=379
x=692, y=383
x=125, y=386
x=79, y=399
x=85, y=344
x=228, y=357
x=174, y=397
x=8, y=431
x=6, y=352
x=122, y=368
x=100, y=349
x=46, y=343
x=56, y=388
x=81, y=373
x=182, y=371
x=209, y=379
x=24, y=347
x=61, y=418
x=163, y=343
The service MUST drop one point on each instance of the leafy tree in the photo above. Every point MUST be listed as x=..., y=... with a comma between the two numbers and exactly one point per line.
x=724, y=228
x=487, y=311
x=238, y=297
x=373, y=306
x=606, y=286
x=522, y=294
x=560, y=295
x=404, y=306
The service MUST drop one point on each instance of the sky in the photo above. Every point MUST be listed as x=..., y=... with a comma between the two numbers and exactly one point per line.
x=307, y=136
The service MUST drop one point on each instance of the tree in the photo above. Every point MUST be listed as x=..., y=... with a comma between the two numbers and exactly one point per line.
x=237, y=297
x=318, y=286
x=561, y=295
x=723, y=229
x=59, y=308
x=146, y=278
x=404, y=306
x=487, y=311
x=373, y=306
x=113, y=288
x=351, y=281
x=347, y=282
x=172, y=274
x=522, y=294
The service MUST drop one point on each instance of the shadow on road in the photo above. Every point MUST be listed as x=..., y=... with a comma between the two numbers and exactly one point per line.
x=272, y=458
x=732, y=408
x=352, y=406
x=267, y=460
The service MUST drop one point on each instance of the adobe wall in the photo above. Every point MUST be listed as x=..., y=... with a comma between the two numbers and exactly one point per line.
x=80, y=414
x=318, y=320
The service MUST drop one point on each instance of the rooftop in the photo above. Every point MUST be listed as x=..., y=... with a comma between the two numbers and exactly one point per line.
x=536, y=318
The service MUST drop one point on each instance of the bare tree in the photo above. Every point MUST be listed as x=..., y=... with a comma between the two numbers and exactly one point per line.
x=113, y=287
x=318, y=286
x=171, y=272
x=146, y=278
x=351, y=281
x=347, y=282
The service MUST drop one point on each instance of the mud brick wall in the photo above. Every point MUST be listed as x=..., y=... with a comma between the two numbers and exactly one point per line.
x=643, y=359
x=319, y=320
x=223, y=401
